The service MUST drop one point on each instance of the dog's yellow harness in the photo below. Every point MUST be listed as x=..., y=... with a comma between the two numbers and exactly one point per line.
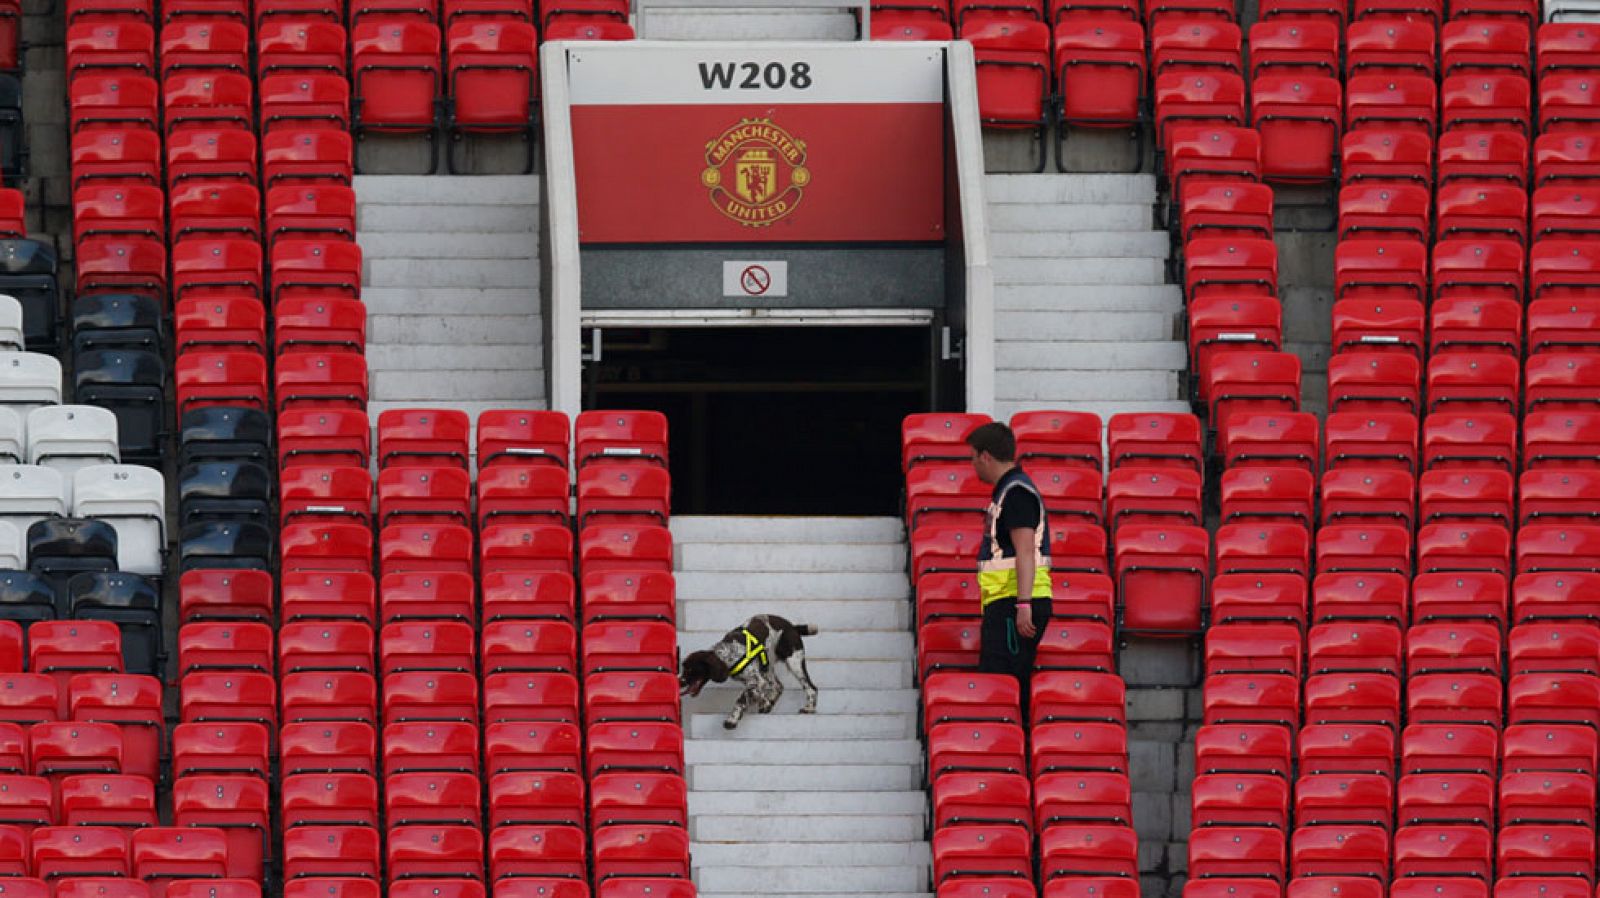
x=754, y=650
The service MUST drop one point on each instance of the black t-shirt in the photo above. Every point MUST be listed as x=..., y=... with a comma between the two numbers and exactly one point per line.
x=1021, y=508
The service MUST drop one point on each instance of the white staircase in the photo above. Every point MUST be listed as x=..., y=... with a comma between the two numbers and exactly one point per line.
x=829, y=804
x=451, y=283
x=1083, y=316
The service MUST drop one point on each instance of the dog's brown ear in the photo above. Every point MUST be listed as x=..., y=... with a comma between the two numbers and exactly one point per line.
x=708, y=663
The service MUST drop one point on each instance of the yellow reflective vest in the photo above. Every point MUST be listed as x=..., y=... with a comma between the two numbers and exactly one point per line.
x=997, y=572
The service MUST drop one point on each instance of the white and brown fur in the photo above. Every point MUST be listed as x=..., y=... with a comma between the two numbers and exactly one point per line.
x=762, y=688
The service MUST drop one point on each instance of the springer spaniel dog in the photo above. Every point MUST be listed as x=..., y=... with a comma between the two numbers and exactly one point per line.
x=747, y=654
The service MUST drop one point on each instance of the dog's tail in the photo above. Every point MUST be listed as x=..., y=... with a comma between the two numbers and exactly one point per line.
x=806, y=629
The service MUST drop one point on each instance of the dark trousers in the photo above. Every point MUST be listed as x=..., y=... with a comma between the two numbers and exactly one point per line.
x=1005, y=651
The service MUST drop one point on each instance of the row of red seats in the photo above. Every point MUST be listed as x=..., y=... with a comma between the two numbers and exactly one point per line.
x=994, y=812
x=263, y=14
x=248, y=596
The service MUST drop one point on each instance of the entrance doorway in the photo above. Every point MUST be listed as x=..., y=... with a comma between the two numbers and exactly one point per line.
x=774, y=420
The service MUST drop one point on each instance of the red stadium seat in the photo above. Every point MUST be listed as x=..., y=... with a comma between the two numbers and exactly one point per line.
x=1252, y=699
x=1455, y=698
x=1299, y=120
x=1387, y=46
x=332, y=800
x=1445, y=798
x=326, y=548
x=1363, y=698
x=1370, y=381
x=1479, y=267
x=331, y=851
x=983, y=797
x=1562, y=595
x=1391, y=102
x=1379, y=495
x=425, y=493
x=529, y=646
x=1339, y=850
x=651, y=747
x=1297, y=44
x=223, y=748
x=310, y=156
x=1558, y=547
x=331, y=595
x=1465, y=495
x=530, y=697
x=1239, y=598
x=1463, y=546
x=1568, y=156
x=79, y=851
x=1268, y=494
x=1225, y=208
x=1215, y=266
x=518, y=492
x=1079, y=745
x=542, y=798
x=1471, y=439
x=1272, y=439
x=430, y=695
x=1550, y=747
x=1162, y=572
x=1355, y=647
x=1475, y=325
x=1208, y=97
x=432, y=547
x=531, y=745
x=512, y=595
x=515, y=548
x=537, y=851
x=1243, y=748
x=1376, y=209
x=325, y=494
x=1386, y=155
x=237, y=805
x=1263, y=548
x=304, y=102
x=111, y=800
x=1076, y=850
x=427, y=645
x=328, y=696
x=1360, y=596
x=1240, y=799
x=430, y=747
x=1449, y=748
x=1213, y=151
x=1487, y=45
x=1103, y=61
x=1546, y=698
x=1460, y=595
x=329, y=748
x=1255, y=852
x=1364, y=547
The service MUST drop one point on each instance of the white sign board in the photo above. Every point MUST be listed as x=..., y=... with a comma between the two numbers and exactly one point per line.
x=755, y=279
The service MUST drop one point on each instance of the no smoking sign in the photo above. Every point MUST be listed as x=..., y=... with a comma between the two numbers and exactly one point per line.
x=748, y=280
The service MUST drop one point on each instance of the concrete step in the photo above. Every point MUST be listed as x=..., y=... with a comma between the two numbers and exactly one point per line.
x=486, y=190
x=1075, y=386
x=770, y=894
x=1080, y=298
x=823, y=802
x=1079, y=271
x=748, y=25
x=485, y=301
x=828, y=614
x=1135, y=217
x=736, y=529
x=882, y=699
x=421, y=217
x=461, y=330
x=449, y=246
x=377, y=406
x=1068, y=326
x=705, y=557
x=1093, y=189
x=1066, y=355
x=744, y=829
x=828, y=673
x=777, y=586
x=448, y=386
x=790, y=779
x=811, y=854
x=1006, y=406
x=1080, y=245
x=792, y=878
x=801, y=753
x=416, y=357
x=791, y=726
x=826, y=646
x=523, y=273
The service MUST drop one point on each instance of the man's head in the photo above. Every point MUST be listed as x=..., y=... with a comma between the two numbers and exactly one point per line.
x=994, y=451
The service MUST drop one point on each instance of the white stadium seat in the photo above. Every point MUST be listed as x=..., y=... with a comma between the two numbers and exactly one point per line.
x=13, y=548
x=10, y=323
x=1572, y=11
x=13, y=437
x=29, y=380
x=133, y=499
x=31, y=493
x=69, y=437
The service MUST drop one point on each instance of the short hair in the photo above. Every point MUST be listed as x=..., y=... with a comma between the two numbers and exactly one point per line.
x=996, y=439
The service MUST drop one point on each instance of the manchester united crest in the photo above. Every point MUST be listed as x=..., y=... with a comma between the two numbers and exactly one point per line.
x=756, y=172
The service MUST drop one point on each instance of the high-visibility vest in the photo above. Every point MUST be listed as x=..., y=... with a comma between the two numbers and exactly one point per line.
x=754, y=650
x=997, y=572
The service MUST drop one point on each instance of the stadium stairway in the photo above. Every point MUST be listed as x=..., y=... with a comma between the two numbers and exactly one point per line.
x=822, y=805
x=1083, y=316
x=452, y=262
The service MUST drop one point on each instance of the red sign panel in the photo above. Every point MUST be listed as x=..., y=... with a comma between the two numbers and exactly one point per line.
x=821, y=144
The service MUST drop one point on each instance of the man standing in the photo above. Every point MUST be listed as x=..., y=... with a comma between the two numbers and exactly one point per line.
x=1013, y=561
